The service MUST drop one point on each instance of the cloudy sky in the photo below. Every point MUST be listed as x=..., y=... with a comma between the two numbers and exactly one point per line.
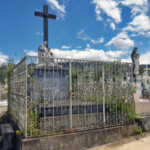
x=84, y=29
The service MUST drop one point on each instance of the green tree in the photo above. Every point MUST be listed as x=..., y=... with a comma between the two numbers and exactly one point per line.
x=9, y=72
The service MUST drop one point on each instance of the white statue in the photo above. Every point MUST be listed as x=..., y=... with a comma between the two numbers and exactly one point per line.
x=44, y=54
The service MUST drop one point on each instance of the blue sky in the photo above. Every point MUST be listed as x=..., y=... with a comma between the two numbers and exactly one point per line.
x=84, y=29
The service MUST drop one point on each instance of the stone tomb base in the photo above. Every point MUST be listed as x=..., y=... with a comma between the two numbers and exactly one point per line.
x=79, y=140
x=142, y=106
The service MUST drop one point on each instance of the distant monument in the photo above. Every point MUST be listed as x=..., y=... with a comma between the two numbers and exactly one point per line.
x=135, y=60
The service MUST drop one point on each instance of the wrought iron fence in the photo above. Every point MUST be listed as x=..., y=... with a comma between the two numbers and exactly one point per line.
x=18, y=95
x=63, y=95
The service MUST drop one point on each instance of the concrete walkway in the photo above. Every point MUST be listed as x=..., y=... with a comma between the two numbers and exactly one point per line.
x=134, y=143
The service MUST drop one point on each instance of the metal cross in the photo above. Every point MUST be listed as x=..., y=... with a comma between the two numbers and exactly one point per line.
x=45, y=16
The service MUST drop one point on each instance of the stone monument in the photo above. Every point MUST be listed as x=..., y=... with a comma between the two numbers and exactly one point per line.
x=135, y=60
x=136, y=77
x=46, y=57
x=141, y=81
x=50, y=78
x=44, y=52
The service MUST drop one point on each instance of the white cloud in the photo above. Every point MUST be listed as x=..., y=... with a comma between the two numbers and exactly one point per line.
x=137, y=6
x=83, y=36
x=139, y=23
x=110, y=7
x=100, y=40
x=55, y=5
x=117, y=54
x=30, y=53
x=87, y=54
x=91, y=54
x=135, y=2
x=112, y=26
x=88, y=47
x=3, y=58
x=65, y=47
x=137, y=10
x=121, y=41
x=145, y=58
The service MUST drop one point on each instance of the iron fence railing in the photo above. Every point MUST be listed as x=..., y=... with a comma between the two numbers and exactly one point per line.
x=18, y=95
x=66, y=95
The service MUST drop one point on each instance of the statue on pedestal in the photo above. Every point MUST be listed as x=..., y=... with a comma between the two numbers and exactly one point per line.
x=44, y=54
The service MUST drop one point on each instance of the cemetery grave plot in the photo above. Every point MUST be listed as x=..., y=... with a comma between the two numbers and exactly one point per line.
x=70, y=95
x=49, y=94
x=53, y=95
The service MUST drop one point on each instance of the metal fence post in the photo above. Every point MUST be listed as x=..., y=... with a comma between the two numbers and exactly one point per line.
x=103, y=86
x=70, y=96
x=26, y=97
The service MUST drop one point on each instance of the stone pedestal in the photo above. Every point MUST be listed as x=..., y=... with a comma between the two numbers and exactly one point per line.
x=142, y=106
x=139, y=87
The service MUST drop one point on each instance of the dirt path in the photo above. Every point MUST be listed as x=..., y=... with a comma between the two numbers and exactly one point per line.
x=134, y=143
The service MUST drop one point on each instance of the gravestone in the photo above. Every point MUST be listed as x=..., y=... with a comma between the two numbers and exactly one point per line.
x=7, y=135
x=138, y=84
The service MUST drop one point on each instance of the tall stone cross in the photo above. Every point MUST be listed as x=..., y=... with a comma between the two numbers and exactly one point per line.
x=45, y=16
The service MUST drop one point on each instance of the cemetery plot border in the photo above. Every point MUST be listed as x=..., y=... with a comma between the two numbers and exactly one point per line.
x=66, y=95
